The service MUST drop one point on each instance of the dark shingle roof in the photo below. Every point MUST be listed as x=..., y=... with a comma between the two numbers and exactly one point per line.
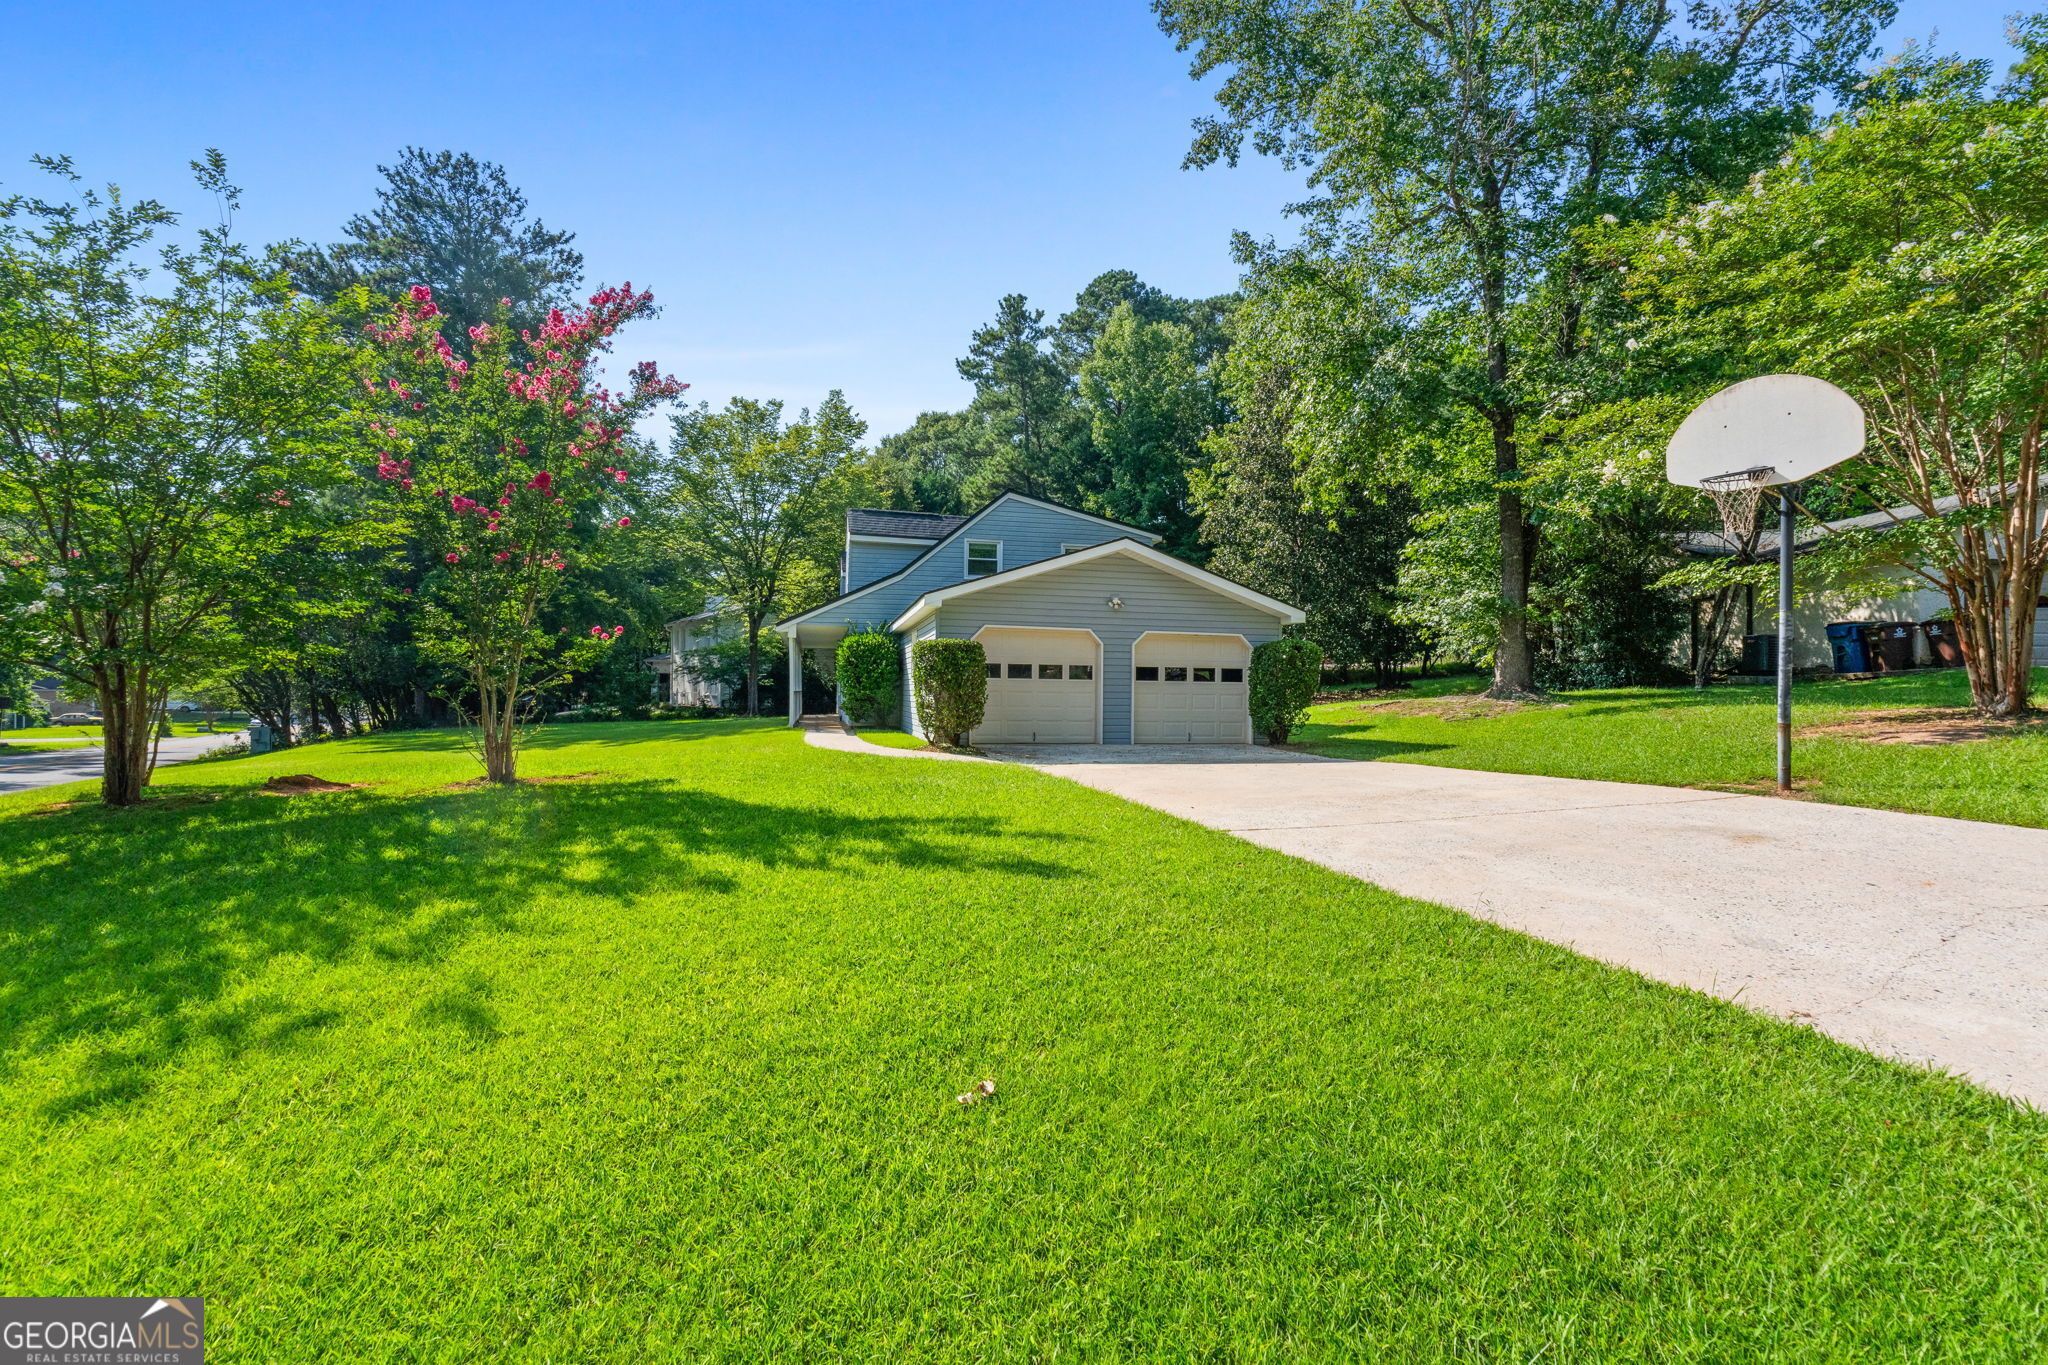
x=873, y=521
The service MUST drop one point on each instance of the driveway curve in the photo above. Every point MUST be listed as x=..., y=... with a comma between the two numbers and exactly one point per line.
x=1913, y=936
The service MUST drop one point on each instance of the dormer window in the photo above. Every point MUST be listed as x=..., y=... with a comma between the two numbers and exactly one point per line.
x=984, y=557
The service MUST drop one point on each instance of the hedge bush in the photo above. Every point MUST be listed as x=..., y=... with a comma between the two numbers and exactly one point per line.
x=1283, y=681
x=869, y=673
x=952, y=687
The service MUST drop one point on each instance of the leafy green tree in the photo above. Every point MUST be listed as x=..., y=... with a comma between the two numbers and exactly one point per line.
x=1454, y=147
x=165, y=425
x=1024, y=399
x=1340, y=566
x=1149, y=407
x=930, y=466
x=1081, y=327
x=751, y=502
x=1902, y=253
x=498, y=465
x=17, y=688
x=458, y=227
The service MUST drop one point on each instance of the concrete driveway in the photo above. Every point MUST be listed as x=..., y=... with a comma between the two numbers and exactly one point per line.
x=81, y=763
x=1908, y=935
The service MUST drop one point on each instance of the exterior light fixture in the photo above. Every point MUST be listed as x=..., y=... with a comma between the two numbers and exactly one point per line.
x=1116, y=604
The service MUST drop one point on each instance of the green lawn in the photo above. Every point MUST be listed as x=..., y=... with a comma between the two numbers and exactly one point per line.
x=1724, y=737
x=893, y=739
x=661, y=1064
x=180, y=728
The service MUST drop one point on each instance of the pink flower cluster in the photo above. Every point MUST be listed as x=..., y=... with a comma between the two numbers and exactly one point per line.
x=394, y=471
x=600, y=633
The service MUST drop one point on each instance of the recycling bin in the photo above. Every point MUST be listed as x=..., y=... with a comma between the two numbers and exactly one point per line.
x=1845, y=641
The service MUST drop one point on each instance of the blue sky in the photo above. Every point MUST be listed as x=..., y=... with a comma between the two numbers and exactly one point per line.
x=820, y=194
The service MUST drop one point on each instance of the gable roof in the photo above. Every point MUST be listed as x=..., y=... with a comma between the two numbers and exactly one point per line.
x=1144, y=554
x=878, y=521
x=790, y=623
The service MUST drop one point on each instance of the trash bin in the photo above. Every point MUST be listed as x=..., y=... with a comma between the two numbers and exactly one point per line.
x=1845, y=640
x=1759, y=654
x=1889, y=645
x=1944, y=645
x=259, y=738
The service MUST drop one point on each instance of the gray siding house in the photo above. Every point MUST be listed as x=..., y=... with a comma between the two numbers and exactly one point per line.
x=1093, y=635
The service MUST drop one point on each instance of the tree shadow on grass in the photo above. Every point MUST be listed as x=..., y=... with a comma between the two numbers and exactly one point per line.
x=152, y=930
x=558, y=736
x=1343, y=741
x=1922, y=687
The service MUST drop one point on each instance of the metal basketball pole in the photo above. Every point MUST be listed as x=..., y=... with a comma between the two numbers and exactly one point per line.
x=1785, y=640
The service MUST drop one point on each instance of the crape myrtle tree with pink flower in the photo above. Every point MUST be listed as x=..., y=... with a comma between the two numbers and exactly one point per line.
x=509, y=462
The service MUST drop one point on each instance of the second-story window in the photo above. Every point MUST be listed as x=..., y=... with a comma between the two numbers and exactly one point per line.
x=984, y=557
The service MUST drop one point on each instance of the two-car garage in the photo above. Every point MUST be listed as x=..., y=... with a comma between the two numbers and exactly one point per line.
x=1046, y=687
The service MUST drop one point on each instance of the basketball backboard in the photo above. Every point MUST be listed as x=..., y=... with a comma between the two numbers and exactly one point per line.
x=1791, y=425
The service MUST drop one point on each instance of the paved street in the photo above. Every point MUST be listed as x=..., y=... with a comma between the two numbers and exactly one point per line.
x=24, y=772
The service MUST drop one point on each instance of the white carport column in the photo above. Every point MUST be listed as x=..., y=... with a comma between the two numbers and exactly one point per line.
x=796, y=680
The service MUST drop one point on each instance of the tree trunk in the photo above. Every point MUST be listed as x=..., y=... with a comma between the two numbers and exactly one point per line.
x=1514, y=666
x=1995, y=627
x=1707, y=645
x=753, y=665
x=125, y=737
x=496, y=715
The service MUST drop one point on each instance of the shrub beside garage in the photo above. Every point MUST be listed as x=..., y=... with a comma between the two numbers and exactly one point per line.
x=951, y=681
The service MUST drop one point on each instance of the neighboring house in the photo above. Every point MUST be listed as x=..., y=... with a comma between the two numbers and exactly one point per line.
x=50, y=692
x=1093, y=635
x=675, y=680
x=1899, y=595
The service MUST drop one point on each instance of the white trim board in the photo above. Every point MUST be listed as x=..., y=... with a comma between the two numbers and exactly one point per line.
x=892, y=540
x=1144, y=554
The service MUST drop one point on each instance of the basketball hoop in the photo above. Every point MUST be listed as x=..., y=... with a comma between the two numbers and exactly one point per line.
x=1797, y=426
x=1737, y=496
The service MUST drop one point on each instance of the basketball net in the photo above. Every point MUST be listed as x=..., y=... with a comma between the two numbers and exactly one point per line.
x=1737, y=496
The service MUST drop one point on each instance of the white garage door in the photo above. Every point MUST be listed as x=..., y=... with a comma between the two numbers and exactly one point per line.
x=1042, y=687
x=1190, y=689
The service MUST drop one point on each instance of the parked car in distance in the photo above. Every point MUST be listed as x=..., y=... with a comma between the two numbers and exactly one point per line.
x=74, y=718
